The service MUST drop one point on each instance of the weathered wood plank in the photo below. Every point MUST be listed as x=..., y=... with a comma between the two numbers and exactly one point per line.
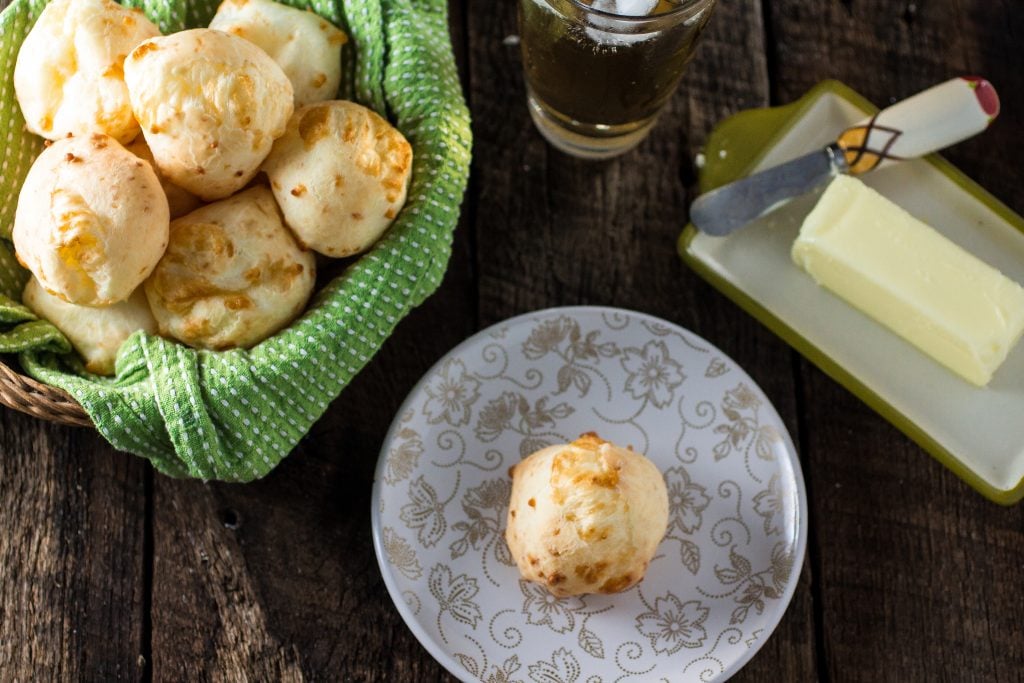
x=71, y=554
x=915, y=570
x=552, y=230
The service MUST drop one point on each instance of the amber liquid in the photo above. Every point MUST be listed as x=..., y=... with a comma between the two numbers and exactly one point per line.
x=596, y=79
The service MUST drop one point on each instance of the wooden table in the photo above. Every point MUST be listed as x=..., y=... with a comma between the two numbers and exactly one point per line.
x=109, y=571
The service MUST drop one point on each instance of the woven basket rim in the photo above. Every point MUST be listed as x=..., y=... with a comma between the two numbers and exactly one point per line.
x=24, y=394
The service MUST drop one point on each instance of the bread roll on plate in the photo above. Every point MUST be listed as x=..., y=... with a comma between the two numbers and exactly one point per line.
x=96, y=333
x=340, y=174
x=586, y=517
x=305, y=45
x=211, y=105
x=69, y=76
x=232, y=275
x=91, y=222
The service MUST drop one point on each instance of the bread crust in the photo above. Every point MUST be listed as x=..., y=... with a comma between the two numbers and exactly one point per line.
x=340, y=174
x=586, y=517
x=210, y=105
x=96, y=333
x=69, y=76
x=92, y=221
x=232, y=276
x=306, y=46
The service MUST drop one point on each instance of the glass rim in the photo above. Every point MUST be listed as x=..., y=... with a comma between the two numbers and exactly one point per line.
x=635, y=19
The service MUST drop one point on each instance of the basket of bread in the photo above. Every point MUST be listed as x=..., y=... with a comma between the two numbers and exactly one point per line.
x=212, y=216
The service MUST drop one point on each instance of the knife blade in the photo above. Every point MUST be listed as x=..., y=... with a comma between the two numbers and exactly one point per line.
x=927, y=122
x=732, y=206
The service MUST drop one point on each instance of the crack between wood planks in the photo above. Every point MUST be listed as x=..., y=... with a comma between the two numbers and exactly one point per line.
x=472, y=191
x=771, y=53
x=813, y=538
x=148, y=551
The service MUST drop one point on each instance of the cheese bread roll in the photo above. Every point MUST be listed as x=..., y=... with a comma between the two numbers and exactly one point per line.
x=96, y=333
x=586, y=517
x=211, y=105
x=232, y=275
x=91, y=222
x=305, y=45
x=69, y=76
x=340, y=174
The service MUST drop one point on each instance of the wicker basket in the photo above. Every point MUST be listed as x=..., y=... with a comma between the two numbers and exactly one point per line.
x=23, y=393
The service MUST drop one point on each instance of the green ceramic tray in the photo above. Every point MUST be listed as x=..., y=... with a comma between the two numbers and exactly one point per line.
x=977, y=433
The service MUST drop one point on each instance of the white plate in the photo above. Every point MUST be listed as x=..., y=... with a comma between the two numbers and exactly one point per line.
x=723, y=575
x=979, y=432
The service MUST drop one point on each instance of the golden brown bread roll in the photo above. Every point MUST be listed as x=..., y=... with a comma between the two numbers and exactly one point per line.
x=96, y=333
x=340, y=174
x=211, y=105
x=69, y=76
x=586, y=517
x=91, y=221
x=232, y=275
x=306, y=46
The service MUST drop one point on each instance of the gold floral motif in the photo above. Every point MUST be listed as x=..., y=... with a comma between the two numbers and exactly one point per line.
x=563, y=337
x=497, y=674
x=716, y=368
x=744, y=430
x=481, y=528
x=563, y=668
x=547, y=337
x=686, y=501
x=504, y=673
x=741, y=398
x=653, y=375
x=451, y=394
x=404, y=458
x=497, y=416
x=672, y=625
x=512, y=412
x=543, y=609
x=454, y=595
x=424, y=513
x=401, y=555
x=753, y=588
x=771, y=504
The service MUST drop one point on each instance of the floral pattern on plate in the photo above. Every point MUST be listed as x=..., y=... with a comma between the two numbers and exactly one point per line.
x=724, y=572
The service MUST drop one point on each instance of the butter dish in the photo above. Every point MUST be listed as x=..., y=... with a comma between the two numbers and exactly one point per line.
x=976, y=432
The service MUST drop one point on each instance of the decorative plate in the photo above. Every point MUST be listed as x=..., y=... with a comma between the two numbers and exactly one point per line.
x=976, y=432
x=725, y=571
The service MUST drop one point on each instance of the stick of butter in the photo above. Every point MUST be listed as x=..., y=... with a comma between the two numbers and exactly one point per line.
x=956, y=308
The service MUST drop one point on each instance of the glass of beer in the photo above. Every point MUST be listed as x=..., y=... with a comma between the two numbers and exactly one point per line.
x=598, y=72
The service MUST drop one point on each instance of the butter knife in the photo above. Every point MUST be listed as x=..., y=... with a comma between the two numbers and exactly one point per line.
x=924, y=123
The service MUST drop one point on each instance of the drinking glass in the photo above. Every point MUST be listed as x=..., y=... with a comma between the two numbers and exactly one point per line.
x=597, y=80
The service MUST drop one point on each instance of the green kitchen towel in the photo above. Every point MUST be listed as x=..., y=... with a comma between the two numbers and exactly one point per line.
x=233, y=416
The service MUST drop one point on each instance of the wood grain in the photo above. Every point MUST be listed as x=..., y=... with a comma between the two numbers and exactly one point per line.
x=911, y=563
x=71, y=554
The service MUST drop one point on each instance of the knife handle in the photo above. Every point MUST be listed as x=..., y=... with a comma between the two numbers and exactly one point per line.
x=924, y=123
